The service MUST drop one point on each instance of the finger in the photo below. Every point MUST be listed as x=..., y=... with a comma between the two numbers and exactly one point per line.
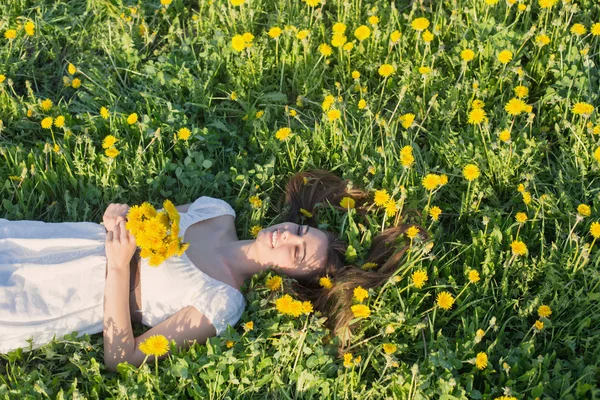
x=123, y=229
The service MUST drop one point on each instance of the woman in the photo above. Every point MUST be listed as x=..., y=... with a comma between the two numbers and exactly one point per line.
x=56, y=278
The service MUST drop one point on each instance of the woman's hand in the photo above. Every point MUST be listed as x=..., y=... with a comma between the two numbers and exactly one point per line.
x=114, y=211
x=120, y=246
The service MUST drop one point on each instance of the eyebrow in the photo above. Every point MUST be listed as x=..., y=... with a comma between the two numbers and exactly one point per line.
x=304, y=244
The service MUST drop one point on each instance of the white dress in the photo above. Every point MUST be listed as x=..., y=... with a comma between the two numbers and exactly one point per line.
x=52, y=279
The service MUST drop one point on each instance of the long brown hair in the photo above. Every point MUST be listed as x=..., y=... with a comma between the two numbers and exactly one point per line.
x=318, y=188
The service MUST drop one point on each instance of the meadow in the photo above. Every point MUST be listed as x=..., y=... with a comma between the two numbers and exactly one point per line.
x=476, y=119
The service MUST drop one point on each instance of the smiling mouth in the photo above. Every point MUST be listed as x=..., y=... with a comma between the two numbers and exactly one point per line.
x=272, y=236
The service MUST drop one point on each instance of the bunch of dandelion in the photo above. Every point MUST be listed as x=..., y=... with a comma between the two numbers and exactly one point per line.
x=156, y=233
x=288, y=306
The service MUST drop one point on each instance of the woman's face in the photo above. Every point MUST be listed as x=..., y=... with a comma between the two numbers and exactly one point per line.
x=299, y=249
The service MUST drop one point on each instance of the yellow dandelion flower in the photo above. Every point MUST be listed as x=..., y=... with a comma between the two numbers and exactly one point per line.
x=467, y=55
x=427, y=36
x=360, y=294
x=325, y=282
x=274, y=283
x=578, y=29
x=333, y=115
x=542, y=40
x=339, y=27
x=474, y=276
x=386, y=70
x=471, y=171
x=307, y=307
x=255, y=201
x=391, y=208
x=361, y=310
x=595, y=230
x=518, y=248
x=249, y=325
x=521, y=217
x=238, y=43
x=406, y=157
x=505, y=56
x=10, y=34
x=435, y=212
x=481, y=360
x=544, y=311
x=325, y=49
x=430, y=181
x=306, y=213
x=477, y=116
x=504, y=135
x=381, y=197
x=389, y=348
x=338, y=40
x=547, y=3
x=362, y=32
x=445, y=300
x=283, y=133
x=302, y=34
x=515, y=106
x=539, y=325
x=29, y=28
x=420, y=24
x=407, y=120
x=347, y=360
x=156, y=345
x=347, y=202
x=419, y=278
x=183, y=133
x=47, y=123
x=59, y=121
x=46, y=104
x=275, y=32
x=582, y=108
x=312, y=3
x=584, y=210
x=369, y=265
x=284, y=304
x=521, y=91
x=412, y=232
x=254, y=230
x=132, y=118
x=104, y=112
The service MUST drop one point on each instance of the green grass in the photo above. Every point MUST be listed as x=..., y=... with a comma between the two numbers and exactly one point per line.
x=181, y=73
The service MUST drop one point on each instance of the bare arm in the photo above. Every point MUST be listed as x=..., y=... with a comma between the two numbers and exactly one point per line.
x=183, y=208
x=186, y=326
x=120, y=247
x=118, y=334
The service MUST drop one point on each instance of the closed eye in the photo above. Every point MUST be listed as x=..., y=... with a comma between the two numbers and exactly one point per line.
x=297, y=248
